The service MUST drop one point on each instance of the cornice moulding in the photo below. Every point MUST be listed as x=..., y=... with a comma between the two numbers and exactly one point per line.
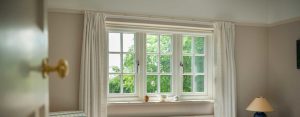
x=190, y=20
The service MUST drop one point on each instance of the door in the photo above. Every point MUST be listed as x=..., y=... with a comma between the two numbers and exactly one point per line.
x=23, y=45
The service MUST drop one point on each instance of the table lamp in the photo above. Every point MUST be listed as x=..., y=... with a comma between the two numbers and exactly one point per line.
x=260, y=105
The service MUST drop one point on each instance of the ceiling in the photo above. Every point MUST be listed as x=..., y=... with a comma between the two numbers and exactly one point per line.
x=243, y=11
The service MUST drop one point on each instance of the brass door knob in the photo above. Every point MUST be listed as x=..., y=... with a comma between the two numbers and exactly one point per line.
x=62, y=68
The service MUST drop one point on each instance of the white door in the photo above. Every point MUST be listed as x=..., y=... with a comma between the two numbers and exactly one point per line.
x=23, y=45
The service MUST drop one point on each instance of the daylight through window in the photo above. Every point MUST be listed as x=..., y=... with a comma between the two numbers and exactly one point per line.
x=151, y=63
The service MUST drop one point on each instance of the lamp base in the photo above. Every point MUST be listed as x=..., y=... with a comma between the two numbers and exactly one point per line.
x=260, y=114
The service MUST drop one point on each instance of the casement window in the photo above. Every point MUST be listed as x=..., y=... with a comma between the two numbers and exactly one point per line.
x=122, y=73
x=157, y=62
x=193, y=60
x=196, y=67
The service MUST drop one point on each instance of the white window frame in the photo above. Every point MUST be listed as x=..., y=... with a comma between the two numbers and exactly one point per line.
x=121, y=94
x=208, y=70
x=176, y=85
x=158, y=70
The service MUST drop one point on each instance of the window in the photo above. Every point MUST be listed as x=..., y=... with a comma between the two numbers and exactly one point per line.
x=193, y=63
x=158, y=63
x=152, y=63
x=121, y=63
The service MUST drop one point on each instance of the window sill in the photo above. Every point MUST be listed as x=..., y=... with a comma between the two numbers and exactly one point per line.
x=158, y=102
x=156, y=99
x=160, y=109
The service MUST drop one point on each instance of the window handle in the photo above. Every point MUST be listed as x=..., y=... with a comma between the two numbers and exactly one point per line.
x=181, y=64
x=137, y=66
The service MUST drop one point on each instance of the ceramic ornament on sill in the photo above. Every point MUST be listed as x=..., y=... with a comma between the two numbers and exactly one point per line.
x=146, y=98
x=176, y=98
x=163, y=98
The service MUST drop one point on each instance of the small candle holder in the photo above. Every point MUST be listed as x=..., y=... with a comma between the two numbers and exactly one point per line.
x=146, y=98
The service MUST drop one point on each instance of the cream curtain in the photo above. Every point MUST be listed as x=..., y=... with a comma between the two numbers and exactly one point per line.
x=93, y=74
x=225, y=71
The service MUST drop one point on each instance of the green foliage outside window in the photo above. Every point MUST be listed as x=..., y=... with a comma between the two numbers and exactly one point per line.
x=152, y=45
x=158, y=54
x=152, y=84
x=187, y=83
x=114, y=84
x=165, y=83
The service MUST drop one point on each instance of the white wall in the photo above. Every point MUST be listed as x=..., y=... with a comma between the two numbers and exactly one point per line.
x=280, y=10
x=249, y=11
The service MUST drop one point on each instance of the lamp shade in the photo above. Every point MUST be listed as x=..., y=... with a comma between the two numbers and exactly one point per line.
x=260, y=104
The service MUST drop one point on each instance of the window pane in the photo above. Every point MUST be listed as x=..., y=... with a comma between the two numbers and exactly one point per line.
x=152, y=63
x=152, y=43
x=199, y=64
x=187, y=83
x=114, y=63
x=128, y=63
x=199, y=45
x=199, y=83
x=128, y=83
x=187, y=64
x=114, y=83
x=128, y=42
x=165, y=43
x=151, y=84
x=165, y=63
x=187, y=44
x=114, y=42
x=165, y=83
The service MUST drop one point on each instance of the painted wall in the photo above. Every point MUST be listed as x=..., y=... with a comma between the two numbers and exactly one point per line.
x=65, y=37
x=251, y=63
x=166, y=109
x=250, y=11
x=284, y=78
